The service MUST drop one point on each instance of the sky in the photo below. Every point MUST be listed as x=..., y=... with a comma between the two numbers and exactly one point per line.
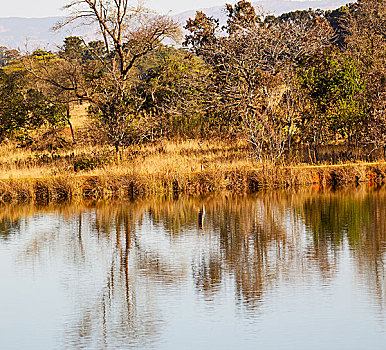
x=47, y=8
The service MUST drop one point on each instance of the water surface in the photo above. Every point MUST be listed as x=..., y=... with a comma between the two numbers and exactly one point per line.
x=277, y=270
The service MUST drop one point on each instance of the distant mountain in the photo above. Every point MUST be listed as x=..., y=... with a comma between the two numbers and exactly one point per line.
x=276, y=7
x=32, y=33
x=16, y=32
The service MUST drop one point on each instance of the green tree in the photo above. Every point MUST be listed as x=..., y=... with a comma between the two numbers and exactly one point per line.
x=338, y=107
x=13, y=108
x=73, y=47
x=23, y=109
x=366, y=44
x=176, y=90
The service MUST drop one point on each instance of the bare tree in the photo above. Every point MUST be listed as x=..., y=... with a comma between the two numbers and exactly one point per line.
x=107, y=79
x=255, y=70
x=128, y=32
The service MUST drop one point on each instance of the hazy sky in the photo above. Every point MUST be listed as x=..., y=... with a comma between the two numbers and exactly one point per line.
x=45, y=8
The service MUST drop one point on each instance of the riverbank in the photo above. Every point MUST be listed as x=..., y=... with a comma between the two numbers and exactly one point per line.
x=169, y=168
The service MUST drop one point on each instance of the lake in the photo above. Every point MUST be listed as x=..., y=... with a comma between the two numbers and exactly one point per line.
x=298, y=269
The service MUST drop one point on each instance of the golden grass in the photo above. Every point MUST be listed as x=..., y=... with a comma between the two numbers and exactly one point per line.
x=170, y=167
x=178, y=157
x=79, y=115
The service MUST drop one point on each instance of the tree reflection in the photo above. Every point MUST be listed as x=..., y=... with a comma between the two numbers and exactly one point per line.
x=357, y=218
x=125, y=251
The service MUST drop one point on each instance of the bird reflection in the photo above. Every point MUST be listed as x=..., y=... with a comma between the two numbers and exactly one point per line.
x=201, y=218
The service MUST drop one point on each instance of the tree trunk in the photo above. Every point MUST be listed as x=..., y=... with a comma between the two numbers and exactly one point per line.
x=68, y=119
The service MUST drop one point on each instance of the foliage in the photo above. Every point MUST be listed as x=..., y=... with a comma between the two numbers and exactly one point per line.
x=23, y=109
x=92, y=161
x=105, y=73
x=241, y=16
x=13, y=108
x=254, y=69
x=73, y=47
x=176, y=90
x=301, y=79
x=366, y=44
x=335, y=91
x=7, y=56
x=129, y=35
x=202, y=32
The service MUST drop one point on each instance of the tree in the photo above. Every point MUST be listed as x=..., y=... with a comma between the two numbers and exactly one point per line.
x=7, y=56
x=73, y=47
x=176, y=90
x=338, y=21
x=13, y=110
x=59, y=77
x=241, y=16
x=23, y=109
x=202, y=33
x=109, y=80
x=336, y=93
x=255, y=73
x=366, y=43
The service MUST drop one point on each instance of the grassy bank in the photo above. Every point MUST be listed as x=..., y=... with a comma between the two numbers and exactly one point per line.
x=169, y=168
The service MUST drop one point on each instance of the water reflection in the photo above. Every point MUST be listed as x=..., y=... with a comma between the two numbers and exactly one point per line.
x=357, y=219
x=126, y=269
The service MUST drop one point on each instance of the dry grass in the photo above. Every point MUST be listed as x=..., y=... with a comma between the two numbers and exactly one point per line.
x=179, y=157
x=79, y=115
x=170, y=167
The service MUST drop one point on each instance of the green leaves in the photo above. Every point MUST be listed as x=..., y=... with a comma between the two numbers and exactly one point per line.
x=22, y=110
x=335, y=91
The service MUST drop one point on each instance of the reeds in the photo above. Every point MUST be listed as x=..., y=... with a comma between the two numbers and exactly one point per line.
x=170, y=168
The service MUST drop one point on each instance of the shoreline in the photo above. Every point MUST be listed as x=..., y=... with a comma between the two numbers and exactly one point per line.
x=130, y=185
